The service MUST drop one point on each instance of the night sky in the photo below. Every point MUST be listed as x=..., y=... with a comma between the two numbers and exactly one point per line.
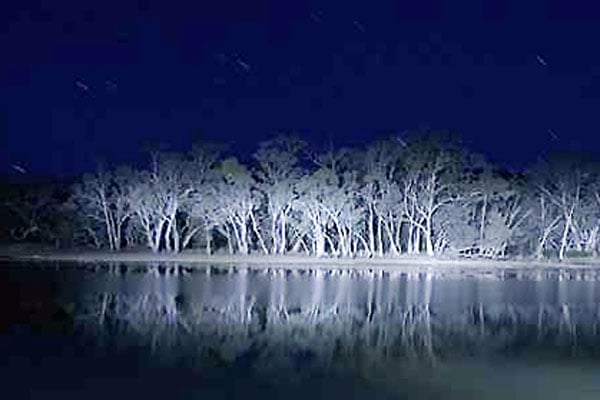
x=82, y=82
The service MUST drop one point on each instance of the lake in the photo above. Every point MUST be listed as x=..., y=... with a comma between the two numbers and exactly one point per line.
x=74, y=331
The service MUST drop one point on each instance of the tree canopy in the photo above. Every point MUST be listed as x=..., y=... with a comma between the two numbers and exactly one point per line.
x=425, y=194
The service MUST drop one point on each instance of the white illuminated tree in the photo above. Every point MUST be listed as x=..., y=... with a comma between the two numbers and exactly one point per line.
x=198, y=211
x=277, y=174
x=560, y=185
x=104, y=198
x=428, y=182
x=156, y=197
x=380, y=195
x=588, y=225
x=498, y=208
x=148, y=202
x=391, y=197
x=328, y=198
x=239, y=200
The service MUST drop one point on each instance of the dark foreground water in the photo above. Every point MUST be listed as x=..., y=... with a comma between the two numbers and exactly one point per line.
x=145, y=331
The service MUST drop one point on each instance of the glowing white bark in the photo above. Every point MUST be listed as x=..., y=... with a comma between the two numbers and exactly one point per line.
x=238, y=201
x=561, y=184
x=278, y=174
x=104, y=197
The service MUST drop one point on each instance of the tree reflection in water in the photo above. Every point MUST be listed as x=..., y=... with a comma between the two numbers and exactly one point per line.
x=286, y=322
x=296, y=333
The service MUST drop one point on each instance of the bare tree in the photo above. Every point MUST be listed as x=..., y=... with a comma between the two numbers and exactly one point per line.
x=392, y=197
x=588, y=225
x=198, y=209
x=328, y=198
x=207, y=208
x=104, y=198
x=380, y=195
x=498, y=208
x=429, y=176
x=238, y=202
x=157, y=195
x=560, y=184
x=148, y=202
x=277, y=174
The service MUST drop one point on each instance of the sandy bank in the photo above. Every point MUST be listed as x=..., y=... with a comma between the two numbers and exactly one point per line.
x=289, y=261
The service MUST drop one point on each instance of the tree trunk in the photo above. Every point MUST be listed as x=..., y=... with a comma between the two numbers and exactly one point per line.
x=168, y=234
x=158, y=233
x=109, y=230
x=366, y=245
x=176, y=237
x=319, y=242
x=390, y=235
x=429, y=238
x=282, y=242
x=429, y=244
x=342, y=245
x=274, y=233
x=119, y=233
x=188, y=237
x=208, y=234
x=563, y=241
x=257, y=233
x=244, y=247
x=229, y=239
x=348, y=241
x=483, y=215
x=241, y=237
x=417, y=241
x=94, y=237
x=410, y=245
x=154, y=235
x=300, y=243
x=399, y=236
x=539, y=254
x=370, y=230
x=334, y=251
x=379, y=237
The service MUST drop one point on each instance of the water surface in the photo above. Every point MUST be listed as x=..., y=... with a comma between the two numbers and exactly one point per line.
x=156, y=330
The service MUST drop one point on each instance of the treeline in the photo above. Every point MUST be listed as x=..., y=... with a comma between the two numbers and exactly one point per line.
x=425, y=194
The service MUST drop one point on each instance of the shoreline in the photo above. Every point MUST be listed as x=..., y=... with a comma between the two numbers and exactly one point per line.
x=293, y=261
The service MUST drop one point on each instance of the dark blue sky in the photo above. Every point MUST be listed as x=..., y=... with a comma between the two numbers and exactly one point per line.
x=83, y=81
